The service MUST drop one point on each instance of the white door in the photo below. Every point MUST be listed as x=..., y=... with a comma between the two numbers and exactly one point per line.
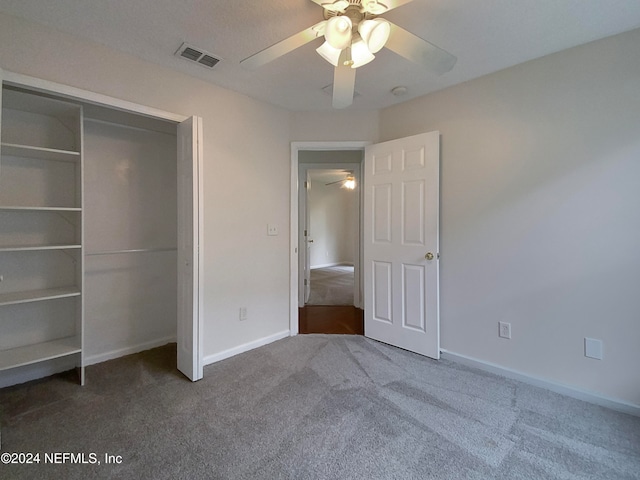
x=401, y=205
x=189, y=220
x=308, y=240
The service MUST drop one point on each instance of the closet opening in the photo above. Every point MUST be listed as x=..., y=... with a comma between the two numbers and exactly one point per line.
x=92, y=258
x=130, y=233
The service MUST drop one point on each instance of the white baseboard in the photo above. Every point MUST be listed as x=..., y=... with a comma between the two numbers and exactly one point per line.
x=216, y=357
x=121, y=352
x=335, y=264
x=591, y=397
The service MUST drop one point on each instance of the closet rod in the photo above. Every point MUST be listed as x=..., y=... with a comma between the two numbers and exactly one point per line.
x=137, y=250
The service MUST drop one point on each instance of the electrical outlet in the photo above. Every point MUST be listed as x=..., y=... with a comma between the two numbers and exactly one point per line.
x=243, y=314
x=272, y=229
x=593, y=348
x=504, y=330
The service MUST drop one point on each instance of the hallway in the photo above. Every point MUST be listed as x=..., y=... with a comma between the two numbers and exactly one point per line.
x=332, y=285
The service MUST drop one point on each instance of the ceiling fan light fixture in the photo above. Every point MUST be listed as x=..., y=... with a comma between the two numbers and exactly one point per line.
x=337, y=6
x=330, y=54
x=338, y=31
x=375, y=33
x=374, y=7
x=360, y=54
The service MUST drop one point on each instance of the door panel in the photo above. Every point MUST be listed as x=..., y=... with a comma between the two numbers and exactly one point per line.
x=413, y=213
x=382, y=292
x=413, y=301
x=400, y=227
x=189, y=330
x=382, y=213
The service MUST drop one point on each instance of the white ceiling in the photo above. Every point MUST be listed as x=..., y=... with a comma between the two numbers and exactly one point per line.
x=485, y=35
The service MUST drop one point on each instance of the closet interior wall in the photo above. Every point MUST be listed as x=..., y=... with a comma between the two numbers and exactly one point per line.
x=130, y=231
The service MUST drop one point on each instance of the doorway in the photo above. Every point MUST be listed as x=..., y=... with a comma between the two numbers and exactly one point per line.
x=399, y=240
x=328, y=238
x=331, y=236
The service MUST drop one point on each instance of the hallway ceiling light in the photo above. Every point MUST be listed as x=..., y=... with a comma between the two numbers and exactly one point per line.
x=350, y=183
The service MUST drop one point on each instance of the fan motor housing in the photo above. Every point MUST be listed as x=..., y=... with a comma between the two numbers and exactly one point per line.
x=353, y=11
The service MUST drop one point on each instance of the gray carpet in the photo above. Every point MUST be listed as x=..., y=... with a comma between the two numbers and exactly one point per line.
x=332, y=286
x=313, y=407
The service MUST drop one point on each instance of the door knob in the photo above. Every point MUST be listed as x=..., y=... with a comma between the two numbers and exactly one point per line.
x=429, y=256
x=310, y=241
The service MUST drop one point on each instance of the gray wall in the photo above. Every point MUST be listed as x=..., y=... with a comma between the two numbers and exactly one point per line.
x=540, y=221
x=334, y=223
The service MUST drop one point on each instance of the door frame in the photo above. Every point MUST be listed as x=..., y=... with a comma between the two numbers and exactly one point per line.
x=294, y=231
x=85, y=96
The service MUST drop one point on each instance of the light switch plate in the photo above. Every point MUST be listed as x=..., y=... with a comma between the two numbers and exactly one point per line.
x=272, y=229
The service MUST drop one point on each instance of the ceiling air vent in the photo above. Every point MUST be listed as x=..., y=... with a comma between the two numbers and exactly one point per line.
x=197, y=55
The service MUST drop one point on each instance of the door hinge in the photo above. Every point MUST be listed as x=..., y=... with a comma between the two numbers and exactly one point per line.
x=305, y=233
x=305, y=281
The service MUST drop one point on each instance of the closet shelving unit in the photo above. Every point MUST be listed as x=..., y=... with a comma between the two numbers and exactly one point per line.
x=41, y=248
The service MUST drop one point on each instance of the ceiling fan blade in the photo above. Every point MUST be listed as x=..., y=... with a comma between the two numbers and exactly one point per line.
x=391, y=4
x=344, y=83
x=281, y=48
x=333, y=183
x=414, y=48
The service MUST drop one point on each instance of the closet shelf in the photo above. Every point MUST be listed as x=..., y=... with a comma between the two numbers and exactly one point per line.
x=26, y=248
x=38, y=295
x=12, y=149
x=40, y=209
x=135, y=250
x=39, y=352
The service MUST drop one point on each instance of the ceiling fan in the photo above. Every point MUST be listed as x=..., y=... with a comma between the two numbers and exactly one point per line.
x=354, y=32
x=349, y=182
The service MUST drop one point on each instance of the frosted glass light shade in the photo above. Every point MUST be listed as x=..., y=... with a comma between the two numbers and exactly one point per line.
x=330, y=54
x=360, y=54
x=337, y=6
x=338, y=32
x=375, y=33
x=374, y=6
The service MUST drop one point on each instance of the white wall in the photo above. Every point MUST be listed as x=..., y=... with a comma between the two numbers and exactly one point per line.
x=339, y=125
x=540, y=213
x=333, y=224
x=247, y=158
